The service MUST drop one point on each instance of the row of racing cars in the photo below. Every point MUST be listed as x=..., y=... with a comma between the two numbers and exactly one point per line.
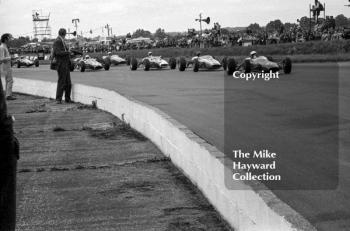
x=253, y=63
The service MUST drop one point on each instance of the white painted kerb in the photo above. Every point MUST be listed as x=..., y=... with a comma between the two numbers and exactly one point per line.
x=203, y=164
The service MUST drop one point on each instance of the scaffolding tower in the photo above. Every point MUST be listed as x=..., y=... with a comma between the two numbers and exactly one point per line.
x=41, y=25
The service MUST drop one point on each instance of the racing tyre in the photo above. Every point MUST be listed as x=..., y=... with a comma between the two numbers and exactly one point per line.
x=100, y=60
x=82, y=66
x=128, y=61
x=224, y=63
x=36, y=63
x=18, y=64
x=231, y=66
x=147, y=65
x=247, y=66
x=182, y=64
x=287, y=66
x=172, y=63
x=107, y=64
x=270, y=58
x=196, y=65
x=133, y=64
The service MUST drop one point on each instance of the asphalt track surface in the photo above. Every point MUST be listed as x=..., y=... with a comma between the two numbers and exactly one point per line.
x=197, y=101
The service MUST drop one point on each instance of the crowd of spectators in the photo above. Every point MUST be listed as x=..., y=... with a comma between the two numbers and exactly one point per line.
x=215, y=37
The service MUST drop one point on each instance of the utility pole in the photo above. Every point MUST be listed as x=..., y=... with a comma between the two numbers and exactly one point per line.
x=75, y=21
x=108, y=28
x=200, y=19
x=200, y=24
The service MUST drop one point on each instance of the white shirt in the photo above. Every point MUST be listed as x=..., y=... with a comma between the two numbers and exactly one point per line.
x=4, y=53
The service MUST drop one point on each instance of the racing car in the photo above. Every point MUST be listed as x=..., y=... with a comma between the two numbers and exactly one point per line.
x=155, y=62
x=200, y=62
x=114, y=59
x=258, y=64
x=83, y=63
x=25, y=61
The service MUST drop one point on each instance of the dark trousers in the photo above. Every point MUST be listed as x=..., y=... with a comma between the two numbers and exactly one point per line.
x=64, y=83
x=9, y=150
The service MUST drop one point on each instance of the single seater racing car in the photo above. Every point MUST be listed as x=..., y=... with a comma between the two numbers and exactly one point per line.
x=207, y=62
x=114, y=59
x=83, y=63
x=258, y=64
x=26, y=61
x=155, y=62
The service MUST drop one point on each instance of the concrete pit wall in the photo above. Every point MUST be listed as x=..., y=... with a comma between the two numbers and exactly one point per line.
x=203, y=164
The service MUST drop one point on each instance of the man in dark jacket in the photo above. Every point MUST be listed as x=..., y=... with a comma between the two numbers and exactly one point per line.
x=9, y=153
x=62, y=55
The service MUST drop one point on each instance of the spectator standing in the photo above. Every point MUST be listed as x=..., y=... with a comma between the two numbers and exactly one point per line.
x=5, y=66
x=9, y=154
x=62, y=55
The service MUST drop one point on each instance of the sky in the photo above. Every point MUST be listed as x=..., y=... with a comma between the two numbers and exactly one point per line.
x=174, y=16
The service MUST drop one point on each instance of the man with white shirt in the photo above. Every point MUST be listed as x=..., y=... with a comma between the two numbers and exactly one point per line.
x=9, y=154
x=5, y=66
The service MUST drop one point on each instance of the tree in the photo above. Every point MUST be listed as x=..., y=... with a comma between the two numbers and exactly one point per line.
x=18, y=42
x=254, y=27
x=160, y=33
x=288, y=26
x=274, y=26
x=341, y=21
x=225, y=31
x=304, y=23
x=141, y=33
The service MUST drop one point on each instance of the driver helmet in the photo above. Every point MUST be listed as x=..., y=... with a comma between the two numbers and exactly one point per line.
x=87, y=56
x=198, y=53
x=150, y=53
x=253, y=54
x=109, y=53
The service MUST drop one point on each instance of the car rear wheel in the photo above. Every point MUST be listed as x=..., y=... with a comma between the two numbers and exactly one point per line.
x=107, y=64
x=224, y=63
x=247, y=66
x=270, y=58
x=196, y=65
x=182, y=64
x=172, y=63
x=231, y=66
x=82, y=66
x=128, y=61
x=133, y=64
x=146, y=65
x=18, y=64
x=287, y=65
x=36, y=63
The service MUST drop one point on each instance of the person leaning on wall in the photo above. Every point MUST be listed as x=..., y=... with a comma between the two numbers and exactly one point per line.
x=9, y=154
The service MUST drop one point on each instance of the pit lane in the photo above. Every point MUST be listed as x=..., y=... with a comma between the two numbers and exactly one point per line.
x=197, y=101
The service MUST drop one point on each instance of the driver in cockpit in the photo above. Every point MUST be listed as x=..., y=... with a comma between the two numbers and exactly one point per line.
x=253, y=55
